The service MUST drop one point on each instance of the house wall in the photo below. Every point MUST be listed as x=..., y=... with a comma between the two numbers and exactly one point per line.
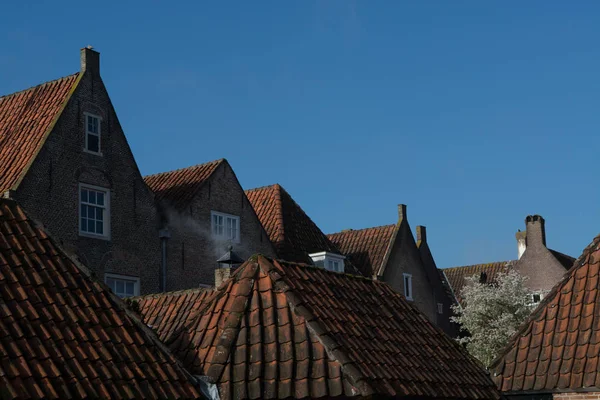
x=191, y=248
x=49, y=191
x=576, y=396
x=404, y=258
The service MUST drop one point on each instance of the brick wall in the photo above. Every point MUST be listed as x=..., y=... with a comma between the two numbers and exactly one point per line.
x=405, y=258
x=50, y=190
x=192, y=252
x=576, y=396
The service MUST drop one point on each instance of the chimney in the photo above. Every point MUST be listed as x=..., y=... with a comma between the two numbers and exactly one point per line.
x=421, y=234
x=90, y=61
x=536, y=231
x=221, y=275
x=401, y=211
x=521, y=242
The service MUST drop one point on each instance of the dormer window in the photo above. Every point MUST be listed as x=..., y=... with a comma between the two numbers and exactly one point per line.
x=329, y=261
x=92, y=133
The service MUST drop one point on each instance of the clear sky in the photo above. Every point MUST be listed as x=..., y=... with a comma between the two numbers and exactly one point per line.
x=473, y=113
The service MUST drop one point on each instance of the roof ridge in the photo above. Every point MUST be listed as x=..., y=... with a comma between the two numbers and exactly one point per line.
x=334, y=349
x=480, y=264
x=2, y=97
x=171, y=293
x=263, y=187
x=350, y=230
x=220, y=160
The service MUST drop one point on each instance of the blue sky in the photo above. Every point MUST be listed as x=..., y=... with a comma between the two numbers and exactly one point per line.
x=474, y=114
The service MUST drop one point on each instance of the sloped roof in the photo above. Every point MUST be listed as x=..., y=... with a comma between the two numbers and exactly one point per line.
x=565, y=260
x=179, y=187
x=64, y=335
x=366, y=248
x=558, y=347
x=293, y=234
x=168, y=312
x=279, y=330
x=25, y=119
x=456, y=275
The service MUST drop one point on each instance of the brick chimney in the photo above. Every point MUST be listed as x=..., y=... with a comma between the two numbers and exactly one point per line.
x=401, y=211
x=536, y=231
x=421, y=234
x=221, y=275
x=90, y=60
x=521, y=242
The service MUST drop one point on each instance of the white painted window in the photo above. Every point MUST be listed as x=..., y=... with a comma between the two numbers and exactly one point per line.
x=440, y=308
x=94, y=211
x=225, y=226
x=408, y=290
x=329, y=261
x=92, y=133
x=123, y=286
x=535, y=298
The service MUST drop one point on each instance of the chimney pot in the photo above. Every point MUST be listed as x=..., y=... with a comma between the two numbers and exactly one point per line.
x=421, y=234
x=536, y=231
x=401, y=211
x=90, y=60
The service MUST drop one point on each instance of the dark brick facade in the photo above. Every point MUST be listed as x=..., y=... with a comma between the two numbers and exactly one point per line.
x=191, y=246
x=49, y=190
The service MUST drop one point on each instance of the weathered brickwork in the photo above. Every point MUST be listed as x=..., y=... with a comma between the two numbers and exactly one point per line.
x=50, y=188
x=191, y=246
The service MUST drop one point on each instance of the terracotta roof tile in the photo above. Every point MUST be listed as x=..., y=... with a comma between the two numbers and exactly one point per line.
x=179, y=187
x=64, y=335
x=280, y=330
x=557, y=348
x=293, y=234
x=168, y=312
x=456, y=275
x=25, y=118
x=365, y=248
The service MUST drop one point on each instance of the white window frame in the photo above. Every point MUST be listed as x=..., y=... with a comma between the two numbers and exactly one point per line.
x=106, y=227
x=531, y=299
x=225, y=216
x=408, y=278
x=440, y=307
x=323, y=258
x=128, y=278
x=99, y=134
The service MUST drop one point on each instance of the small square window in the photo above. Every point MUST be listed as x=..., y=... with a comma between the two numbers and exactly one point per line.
x=92, y=133
x=408, y=291
x=123, y=286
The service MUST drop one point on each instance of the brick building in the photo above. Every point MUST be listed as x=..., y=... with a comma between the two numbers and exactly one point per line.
x=542, y=266
x=204, y=210
x=65, y=158
x=555, y=354
x=391, y=254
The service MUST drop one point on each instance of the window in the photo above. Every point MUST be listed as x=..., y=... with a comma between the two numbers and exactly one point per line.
x=535, y=298
x=440, y=308
x=329, y=261
x=225, y=226
x=92, y=133
x=408, y=292
x=94, y=215
x=123, y=286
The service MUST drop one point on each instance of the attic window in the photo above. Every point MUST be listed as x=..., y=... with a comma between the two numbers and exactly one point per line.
x=92, y=133
x=408, y=290
x=225, y=226
x=329, y=261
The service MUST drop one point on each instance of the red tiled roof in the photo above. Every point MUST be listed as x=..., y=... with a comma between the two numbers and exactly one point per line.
x=166, y=313
x=366, y=248
x=278, y=330
x=558, y=347
x=25, y=119
x=179, y=187
x=456, y=275
x=293, y=234
x=63, y=335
